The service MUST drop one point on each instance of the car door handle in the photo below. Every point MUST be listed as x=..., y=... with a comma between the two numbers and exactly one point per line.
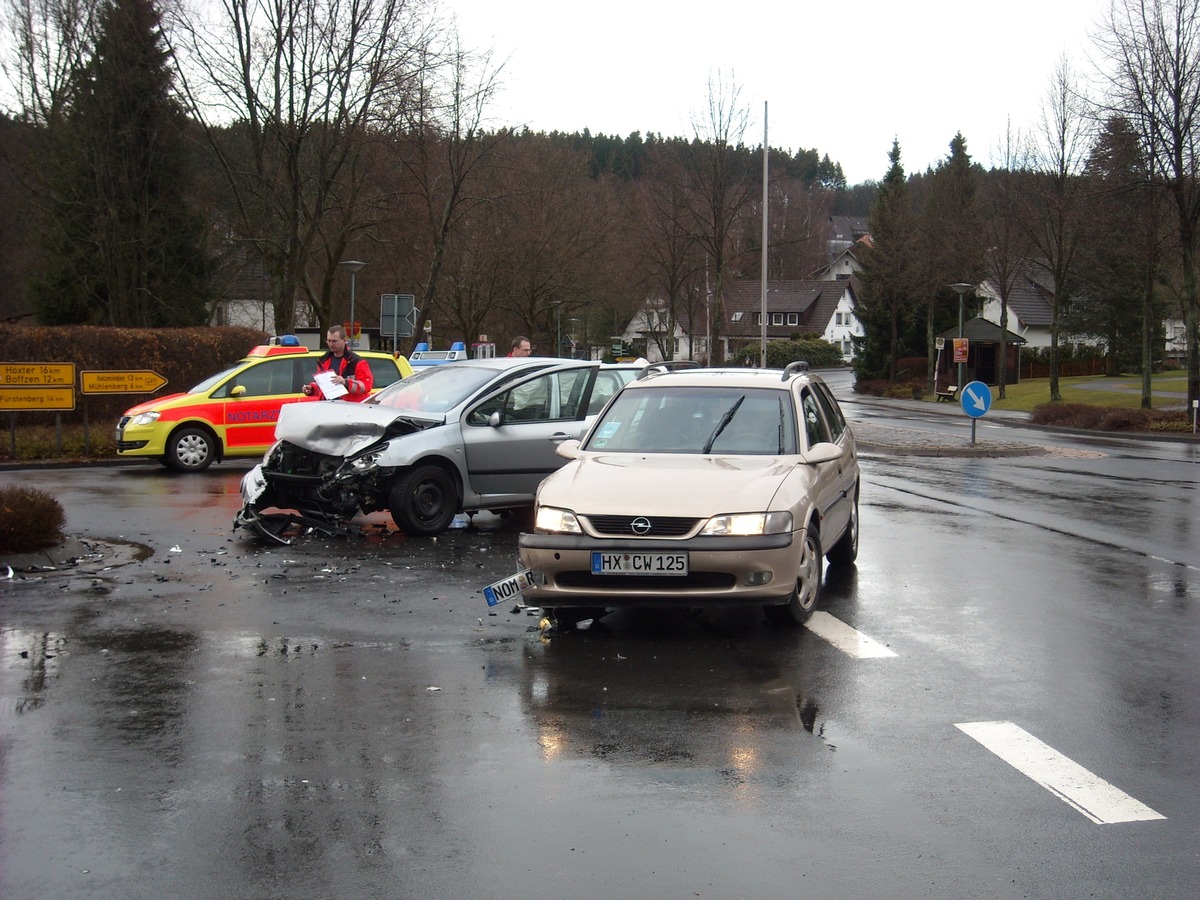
x=559, y=436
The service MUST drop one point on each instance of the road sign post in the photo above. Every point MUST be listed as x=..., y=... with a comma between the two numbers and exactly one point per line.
x=397, y=316
x=976, y=399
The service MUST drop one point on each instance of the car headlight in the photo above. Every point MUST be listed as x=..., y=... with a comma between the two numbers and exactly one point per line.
x=366, y=462
x=749, y=523
x=556, y=521
x=146, y=418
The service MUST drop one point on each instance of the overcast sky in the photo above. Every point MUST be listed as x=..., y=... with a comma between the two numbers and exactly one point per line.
x=843, y=79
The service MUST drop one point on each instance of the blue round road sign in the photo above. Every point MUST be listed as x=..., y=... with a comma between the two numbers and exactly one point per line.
x=976, y=399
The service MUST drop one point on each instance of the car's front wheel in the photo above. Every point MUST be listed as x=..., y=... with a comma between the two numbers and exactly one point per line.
x=423, y=500
x=191, y=449
x=807, y=592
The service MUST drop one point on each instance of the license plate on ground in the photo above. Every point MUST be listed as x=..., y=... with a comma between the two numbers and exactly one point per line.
x=507, y=588
x=639, y=563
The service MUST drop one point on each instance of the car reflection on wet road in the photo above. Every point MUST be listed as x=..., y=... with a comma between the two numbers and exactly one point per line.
x=349, y=718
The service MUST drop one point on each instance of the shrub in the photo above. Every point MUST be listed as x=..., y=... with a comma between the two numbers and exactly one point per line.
x=912, y=367
x=1103, y=418
x=872, y=387
x=29, y=519
x=896, y=390
x=1068, y=415
x=35, y=442
x=818, y=353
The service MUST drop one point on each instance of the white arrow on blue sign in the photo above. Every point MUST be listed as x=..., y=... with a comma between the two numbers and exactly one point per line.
x=976, y=399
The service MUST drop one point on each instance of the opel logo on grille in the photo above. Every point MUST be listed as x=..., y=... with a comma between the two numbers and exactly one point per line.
x=640, y=525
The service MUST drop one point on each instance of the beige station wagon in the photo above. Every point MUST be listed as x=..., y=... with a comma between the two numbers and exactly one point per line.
x=699, y=488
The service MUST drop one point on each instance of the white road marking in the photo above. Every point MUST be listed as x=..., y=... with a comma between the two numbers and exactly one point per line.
x=845, y=638
x=1071, y=782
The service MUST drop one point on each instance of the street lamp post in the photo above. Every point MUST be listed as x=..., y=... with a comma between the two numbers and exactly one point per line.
x=961, y=288
x=353, y=265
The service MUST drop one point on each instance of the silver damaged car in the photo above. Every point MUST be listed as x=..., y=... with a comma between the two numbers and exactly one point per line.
x=461, y=437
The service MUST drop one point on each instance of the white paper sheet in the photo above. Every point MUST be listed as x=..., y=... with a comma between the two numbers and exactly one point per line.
x=330, y=390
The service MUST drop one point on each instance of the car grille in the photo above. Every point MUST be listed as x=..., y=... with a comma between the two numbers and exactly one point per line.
x=288, y=460
x=660, y=526
x=122, y=422
x=617, y=584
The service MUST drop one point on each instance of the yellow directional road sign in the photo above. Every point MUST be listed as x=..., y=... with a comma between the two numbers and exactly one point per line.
x=41, y=398
x=141, y=381
x=30, y=374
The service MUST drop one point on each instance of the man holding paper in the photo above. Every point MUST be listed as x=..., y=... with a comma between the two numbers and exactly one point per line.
x=340, y=372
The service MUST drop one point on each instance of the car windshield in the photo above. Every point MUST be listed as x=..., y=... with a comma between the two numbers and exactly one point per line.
x=698, y=420
x=213, y=380
x=435, y=389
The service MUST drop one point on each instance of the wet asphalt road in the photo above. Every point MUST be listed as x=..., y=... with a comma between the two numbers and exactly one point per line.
x=337, y=719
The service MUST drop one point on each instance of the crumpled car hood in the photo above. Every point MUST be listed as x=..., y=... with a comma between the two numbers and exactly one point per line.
x=340, y=428
x=667, y=484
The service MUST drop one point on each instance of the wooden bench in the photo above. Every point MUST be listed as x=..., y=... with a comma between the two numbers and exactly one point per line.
x=950, y=394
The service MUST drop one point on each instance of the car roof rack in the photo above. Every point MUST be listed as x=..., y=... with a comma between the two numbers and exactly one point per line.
x=798, y=367
x=665, y=366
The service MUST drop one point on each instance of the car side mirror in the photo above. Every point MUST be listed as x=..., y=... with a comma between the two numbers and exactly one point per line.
x=494, y=419
x=568, y=449
x=822, y=453
x=238, y=391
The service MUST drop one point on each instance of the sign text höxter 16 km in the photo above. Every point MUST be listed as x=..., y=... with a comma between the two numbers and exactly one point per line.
x=37, y=374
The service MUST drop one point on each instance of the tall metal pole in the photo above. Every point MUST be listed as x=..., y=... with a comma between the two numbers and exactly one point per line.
x=353, y=265
x=763, y=328
x=961, y=289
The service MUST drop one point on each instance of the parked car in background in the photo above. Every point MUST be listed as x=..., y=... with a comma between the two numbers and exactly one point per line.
x=233, y=413
x=700, y=487
x=461, y=436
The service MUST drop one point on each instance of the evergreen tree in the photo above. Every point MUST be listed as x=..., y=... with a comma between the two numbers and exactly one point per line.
x=1121, y=255
x=122, y=245
x=950, y=242
x=885, y=306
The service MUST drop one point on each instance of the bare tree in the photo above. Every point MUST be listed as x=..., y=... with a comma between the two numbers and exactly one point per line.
x=444, y=148
x=1056, y=156
x=1006, y=241
x=720, y=186
x=668, y=249
x=51, y=39
x=556, y=227
x=291, y=96
x=1152, y=51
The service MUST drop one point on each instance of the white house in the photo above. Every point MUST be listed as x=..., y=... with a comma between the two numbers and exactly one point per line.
x=825, y=308
x=1030, y=312
x=1030, y=305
